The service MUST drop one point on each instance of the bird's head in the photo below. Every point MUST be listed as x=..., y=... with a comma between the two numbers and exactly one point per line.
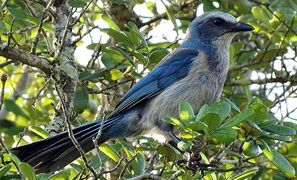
x=213, y=28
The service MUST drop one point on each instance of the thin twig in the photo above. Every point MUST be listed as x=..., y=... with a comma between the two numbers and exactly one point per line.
x=21, y=135
x=126, y=166
x=39, y=92
x=229, y=169
x=21, y=30
x=95, y=91
x=82, y=13
x=96, y=139
x=3, y=81
x=151, y=163
x=83, y=35
x=175, y=175
x=112, y=169
x=64, y=35
x=7, y=63
x=36, y=39
x=71, y=135
x=10, y=35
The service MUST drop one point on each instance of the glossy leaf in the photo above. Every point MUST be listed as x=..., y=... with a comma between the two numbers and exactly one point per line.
x=110, y=152
x=280, y=162
x=251, y=148
x=39, y=131
x=212, y=120
x=280, y=130
x=225, y=135
x=238, y=118
x=167, y=152
x=27, y=171
x=186, y=112
x=174, y=121
x=81, y=99
x=4, y=169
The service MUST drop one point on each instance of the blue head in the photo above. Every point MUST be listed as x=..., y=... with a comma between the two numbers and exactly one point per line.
x=213, y=29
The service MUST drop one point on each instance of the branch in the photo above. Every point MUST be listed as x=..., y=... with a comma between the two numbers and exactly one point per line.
x=3, y=80
x=147, y=176
x=245, y=82
x=25, y=58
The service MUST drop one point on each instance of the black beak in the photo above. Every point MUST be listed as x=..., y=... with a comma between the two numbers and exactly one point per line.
x=237, y=27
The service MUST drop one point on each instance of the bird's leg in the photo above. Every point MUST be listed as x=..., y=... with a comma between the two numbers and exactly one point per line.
x=175, y=141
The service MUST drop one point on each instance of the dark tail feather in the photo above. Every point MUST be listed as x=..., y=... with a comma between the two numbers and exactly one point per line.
x=56, y=152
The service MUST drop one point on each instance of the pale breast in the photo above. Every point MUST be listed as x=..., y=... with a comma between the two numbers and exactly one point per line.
x=201, y=86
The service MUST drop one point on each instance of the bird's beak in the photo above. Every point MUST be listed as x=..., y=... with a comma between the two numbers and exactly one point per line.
x=237, y=27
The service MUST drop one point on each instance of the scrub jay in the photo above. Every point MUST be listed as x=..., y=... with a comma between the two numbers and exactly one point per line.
x=195, y=72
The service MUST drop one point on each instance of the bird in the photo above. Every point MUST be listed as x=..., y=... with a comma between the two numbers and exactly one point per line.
x=194, y=72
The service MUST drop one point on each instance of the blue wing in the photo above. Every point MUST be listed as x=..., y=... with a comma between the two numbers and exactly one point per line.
x=171, y=69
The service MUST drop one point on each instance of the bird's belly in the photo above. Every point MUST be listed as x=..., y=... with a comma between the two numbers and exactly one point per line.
x=199, y=91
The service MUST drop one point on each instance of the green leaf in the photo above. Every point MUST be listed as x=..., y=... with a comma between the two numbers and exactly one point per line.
x=211, y=176
x=4, y=169
x=27, y=171
x=132, y=27
x=277, y=137
x=222, y=108
x=167, y=152
x=116, y=74
x=174, y=121
x=81, y=99
x=233, y=106
x=110, y=152
x=246, y=174
x=270, y=54
x=117, y=35
x=110, y=22
x=280, y=162
x=17, y=12
x=212, y=120
x=238, y=118
x=203, y=110
x=156, y=55
x=186, y=112
x=254, y=127
x=208, y=6
x=260, y=14
x=112, y=58
x=197, y=126
x=11, y=106
x=77, y=3
x=280, y=130
x=251, y=148
x=225, y=135
x=95, y=162
x=39, y=131
x=140, y=160
x=42, y=176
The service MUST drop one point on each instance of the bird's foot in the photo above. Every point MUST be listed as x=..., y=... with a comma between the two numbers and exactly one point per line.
x=192, y=161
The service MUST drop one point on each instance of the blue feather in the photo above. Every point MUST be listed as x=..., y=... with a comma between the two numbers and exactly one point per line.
x=170, y=70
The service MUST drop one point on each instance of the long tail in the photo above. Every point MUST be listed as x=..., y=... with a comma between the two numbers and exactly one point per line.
x=56, y=152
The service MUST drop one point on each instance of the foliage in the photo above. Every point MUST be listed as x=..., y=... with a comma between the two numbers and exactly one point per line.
x=250, y=133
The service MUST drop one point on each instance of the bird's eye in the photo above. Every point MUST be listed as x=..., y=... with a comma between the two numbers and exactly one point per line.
x=218, y=22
